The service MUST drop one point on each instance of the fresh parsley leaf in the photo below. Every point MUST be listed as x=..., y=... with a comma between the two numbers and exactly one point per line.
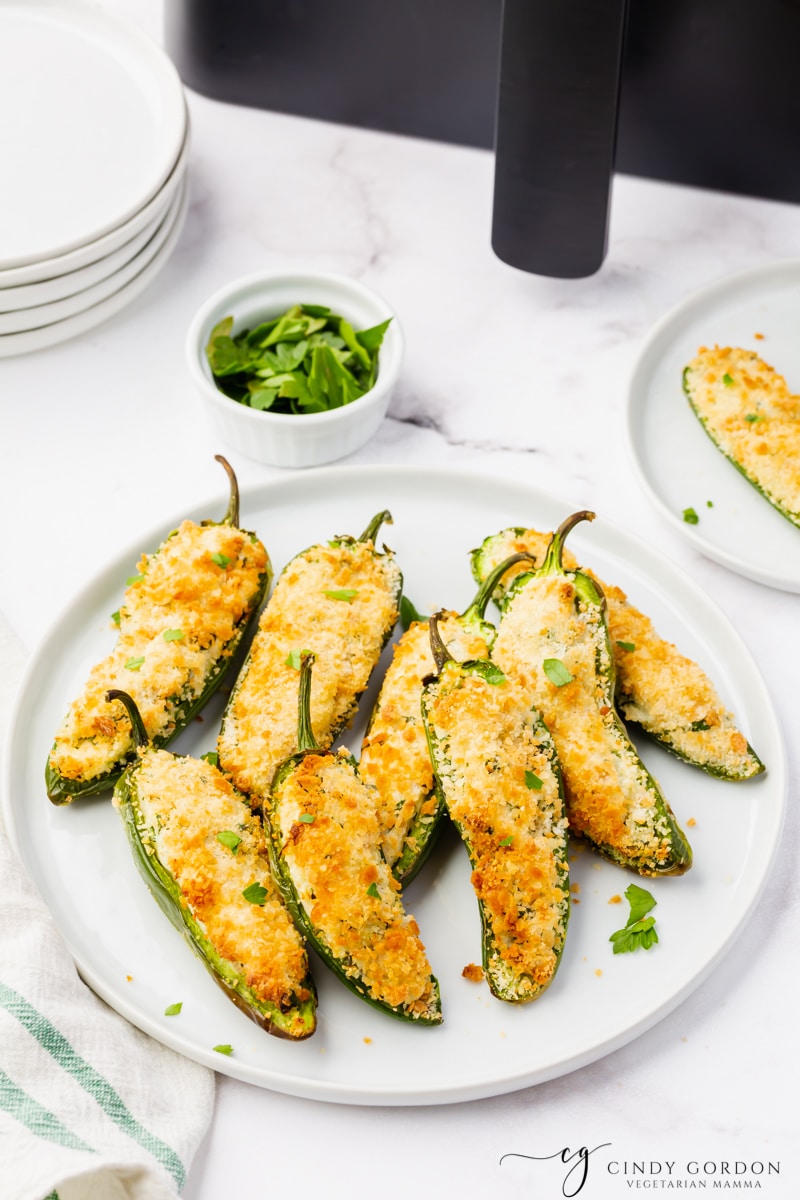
x=690, y=516
x=507, y=841
x=230, y=839
x=133, y=664
x=116, y=618
x=347, y=594
x=408, y=613
x=173, y=635
x=639, y=931
x=173, y=1009
x=372, y=890
x=307, y=818
x=493, y=675
x=751, y=418
x=255, y=893
x=556, y=672
x=640, y=900
x=533, y=781
x=629, y=646
x=132, y=579
x=211, y=757
x=727, y=379
x=221, y=560
x=224, y=1049
x=295, y=658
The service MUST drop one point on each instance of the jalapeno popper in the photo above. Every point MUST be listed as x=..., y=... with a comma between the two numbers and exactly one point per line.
x=339, y=599
x=659, y=689
x=203, y=855
x=182, y=618
x=553, y=638
x=747, y=410
x=325, y=847
x=498, y=773
x=395, y=759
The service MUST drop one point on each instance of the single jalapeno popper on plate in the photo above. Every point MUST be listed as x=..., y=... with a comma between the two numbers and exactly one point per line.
x=339, y=599
x=747, y=410
x=203, y=855
x=660, y=690
x=554, y=639
x=182, y=618
x=325, y=847
x=395, y=759
x=497, y=771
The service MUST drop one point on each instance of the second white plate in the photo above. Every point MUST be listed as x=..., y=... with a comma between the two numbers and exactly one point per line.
x=134, y=959
x=676, y=462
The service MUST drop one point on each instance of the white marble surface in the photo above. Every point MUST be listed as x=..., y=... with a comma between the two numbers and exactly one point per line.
x=506, y=373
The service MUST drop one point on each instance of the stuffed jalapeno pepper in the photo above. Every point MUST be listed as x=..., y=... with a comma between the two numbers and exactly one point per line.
x=660, y=690
x=182, y=618
x=339, y=599
x=395, y=759
x=325, y=847
x=498, y=773
x=203, y=856
x=554, y=639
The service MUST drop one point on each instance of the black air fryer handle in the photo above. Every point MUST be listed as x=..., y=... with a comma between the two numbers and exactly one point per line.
x=558, y=93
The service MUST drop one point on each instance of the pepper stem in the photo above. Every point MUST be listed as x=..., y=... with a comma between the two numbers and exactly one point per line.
x=139, y=732
x=483, y=595
x=305, y=733
x=441, y=654
x=232, y=515
x=552, y=563
x=371, y=532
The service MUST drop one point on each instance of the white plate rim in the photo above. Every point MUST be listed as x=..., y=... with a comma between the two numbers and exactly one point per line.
x=173, y=111
x=314, y=1088
x=649, y=353
x=31, y=340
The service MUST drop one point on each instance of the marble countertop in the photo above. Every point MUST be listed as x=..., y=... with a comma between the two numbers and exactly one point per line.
x=530, y=385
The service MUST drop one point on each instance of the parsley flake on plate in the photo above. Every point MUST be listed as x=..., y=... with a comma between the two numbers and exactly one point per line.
x=639, y=931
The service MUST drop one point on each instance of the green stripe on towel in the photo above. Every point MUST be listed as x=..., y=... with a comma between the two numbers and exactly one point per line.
x=38, y=1120
x=90, y=1080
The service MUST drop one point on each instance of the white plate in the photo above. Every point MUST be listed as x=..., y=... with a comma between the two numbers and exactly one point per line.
x=91, y=253
x=676, y=462
x=98, y=123
x=61, y=331
x=79, y=859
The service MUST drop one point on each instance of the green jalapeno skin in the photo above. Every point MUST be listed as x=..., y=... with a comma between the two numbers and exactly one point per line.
x=62, y=789
x=310, y=609
x=569, y=609
x=498, y=773
x=295, y=1018
x=394, y=757
x=307, y=832
x=658, y=690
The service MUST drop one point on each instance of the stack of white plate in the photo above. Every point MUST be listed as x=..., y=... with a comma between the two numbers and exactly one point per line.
x=93, y=152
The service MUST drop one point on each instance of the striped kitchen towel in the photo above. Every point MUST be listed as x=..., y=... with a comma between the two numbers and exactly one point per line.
x=90, y=1108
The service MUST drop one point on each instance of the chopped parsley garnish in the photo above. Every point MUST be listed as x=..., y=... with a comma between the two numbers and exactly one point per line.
x=629, y=646
x=556, y=672
x=346, y=594
x=230, y=839
x=507, y=841
x=493, y=675
x=709, y=503
x=690, y=516
x=307, y=818
x=699, y=726
x=372, y=890
x=133, y=664
x=751, y=418
x=255, y=893
x=115, y=617
x=173, y=635
x=295, y=658
x=533, y=781
x=224, y=1049
x=727, y=379
x=221, y=560
x=408, y=613
x=134, y=579
x=211, y=757
x=639, y=931
x=173, y=1009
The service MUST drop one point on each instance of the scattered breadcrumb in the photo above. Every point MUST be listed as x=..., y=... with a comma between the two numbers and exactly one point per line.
x=616, y=899
x=759, y=337
x=599, y=971
x=473, y=971
x=574, y=888
x=367, y=1041
x=691, y=822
